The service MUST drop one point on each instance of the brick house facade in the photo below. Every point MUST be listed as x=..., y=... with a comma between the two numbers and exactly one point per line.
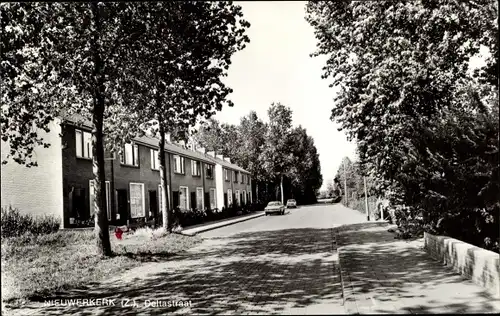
x=132, y=179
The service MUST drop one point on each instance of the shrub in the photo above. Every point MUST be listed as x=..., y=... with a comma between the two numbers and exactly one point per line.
x=16, y=224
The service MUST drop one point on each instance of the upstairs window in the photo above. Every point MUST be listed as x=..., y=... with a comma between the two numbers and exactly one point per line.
x=195, y=168
x=155, y=159
x=178, y=164
x=234, y=176
x=226, y=174
x=209, y=171
x=130, y=155
x=83, y=141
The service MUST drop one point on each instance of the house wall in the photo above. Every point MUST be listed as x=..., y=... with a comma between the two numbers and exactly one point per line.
x=76, y=173
x=126, y=174
x=209, y=184
x=220, y=185
x=35, y=190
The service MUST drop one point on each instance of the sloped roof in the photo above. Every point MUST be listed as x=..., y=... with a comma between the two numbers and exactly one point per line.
x=154, y=142
x=172, y=148
x=227, y=164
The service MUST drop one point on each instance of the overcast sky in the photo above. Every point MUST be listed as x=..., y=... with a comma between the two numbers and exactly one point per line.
x=276, y=67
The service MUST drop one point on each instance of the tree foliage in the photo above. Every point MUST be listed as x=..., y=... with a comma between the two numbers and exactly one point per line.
x=289, y=152
x=185, y=51
x=424, y=123
x=121, y=65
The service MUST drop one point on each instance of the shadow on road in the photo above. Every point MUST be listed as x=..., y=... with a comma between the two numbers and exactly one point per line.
x=245, y=273
x=400, y=274
x=283, y=271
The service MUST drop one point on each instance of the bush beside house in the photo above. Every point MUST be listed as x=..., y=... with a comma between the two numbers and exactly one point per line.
x=15, y=224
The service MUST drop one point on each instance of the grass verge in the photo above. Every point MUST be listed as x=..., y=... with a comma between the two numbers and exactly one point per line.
x=38, y=265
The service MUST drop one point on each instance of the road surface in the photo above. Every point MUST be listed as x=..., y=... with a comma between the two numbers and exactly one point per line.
x=278, y=264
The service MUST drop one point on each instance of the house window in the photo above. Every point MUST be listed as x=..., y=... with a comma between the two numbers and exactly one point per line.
x=226, y=174
x=178, y=164
x=234, y=176
x=83, y=141
x=92, y=197
x=229, y=196
x=244, y=197
x=155, y=159
x=130, y=155
x=238, y=202
x=137, y=205
x=195, y=168
x=213, y=203
x=199, y=199
x=183, y=198
x=209, y=171
x=243, y=178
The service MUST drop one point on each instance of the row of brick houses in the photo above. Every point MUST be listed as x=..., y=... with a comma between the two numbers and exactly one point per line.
x=62, y=184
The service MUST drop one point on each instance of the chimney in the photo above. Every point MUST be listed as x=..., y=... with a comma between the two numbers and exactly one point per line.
x=211, y=153
x=220, y=157
x=227, y=159
x=201, y=150
x=167, y=138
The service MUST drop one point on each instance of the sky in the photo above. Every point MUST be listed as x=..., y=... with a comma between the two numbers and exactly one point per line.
x=276, y=67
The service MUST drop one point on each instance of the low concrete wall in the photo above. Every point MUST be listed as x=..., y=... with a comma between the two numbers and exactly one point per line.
x=480, y=265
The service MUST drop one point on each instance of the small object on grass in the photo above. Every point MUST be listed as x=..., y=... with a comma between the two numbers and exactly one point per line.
x=390, y=230
x=118, y=233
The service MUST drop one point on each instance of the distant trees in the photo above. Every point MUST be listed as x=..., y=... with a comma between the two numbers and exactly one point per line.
x=425, y=124
x=283, y=160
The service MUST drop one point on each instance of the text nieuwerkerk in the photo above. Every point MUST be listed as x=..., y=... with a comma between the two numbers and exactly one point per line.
x=117, y=302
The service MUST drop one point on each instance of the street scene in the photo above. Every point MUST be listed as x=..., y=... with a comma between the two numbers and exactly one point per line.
x=289, y=264
x=250, y=157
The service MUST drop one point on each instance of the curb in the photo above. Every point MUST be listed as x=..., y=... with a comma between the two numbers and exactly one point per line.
x=219, y=225
x=348, y=300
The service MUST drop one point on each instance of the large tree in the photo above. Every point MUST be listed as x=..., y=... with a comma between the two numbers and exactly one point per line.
x=305, y=171
x=71, y=58
x=252, y=132
x=403, y=70
x=186, y=49
x=277, y=157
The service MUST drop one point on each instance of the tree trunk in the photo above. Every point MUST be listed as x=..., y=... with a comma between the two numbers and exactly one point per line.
x=257, y=191
x=166, y=213
x=101, y=219
x=281, y=189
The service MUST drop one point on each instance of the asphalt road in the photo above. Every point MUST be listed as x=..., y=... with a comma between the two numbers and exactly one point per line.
x=278, y=264
x=319, y=216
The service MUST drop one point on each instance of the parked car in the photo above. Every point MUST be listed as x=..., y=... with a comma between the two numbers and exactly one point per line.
x=291, y=203
x=275, y=207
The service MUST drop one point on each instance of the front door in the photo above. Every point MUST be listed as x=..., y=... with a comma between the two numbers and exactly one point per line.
x=122, y=206
x=153, y=206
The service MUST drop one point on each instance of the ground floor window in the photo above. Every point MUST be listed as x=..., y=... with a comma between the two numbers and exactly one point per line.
x=199, y=199
x=229, y=197
x=137, y=203
x=213, y=204
x=244, y=196
x=238, y=202
x=184, y=198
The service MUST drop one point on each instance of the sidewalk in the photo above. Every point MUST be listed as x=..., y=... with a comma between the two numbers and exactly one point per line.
x=381, y=274
x=193, y=230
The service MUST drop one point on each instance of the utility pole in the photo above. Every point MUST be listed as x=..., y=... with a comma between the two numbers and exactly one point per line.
x=366, y=201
